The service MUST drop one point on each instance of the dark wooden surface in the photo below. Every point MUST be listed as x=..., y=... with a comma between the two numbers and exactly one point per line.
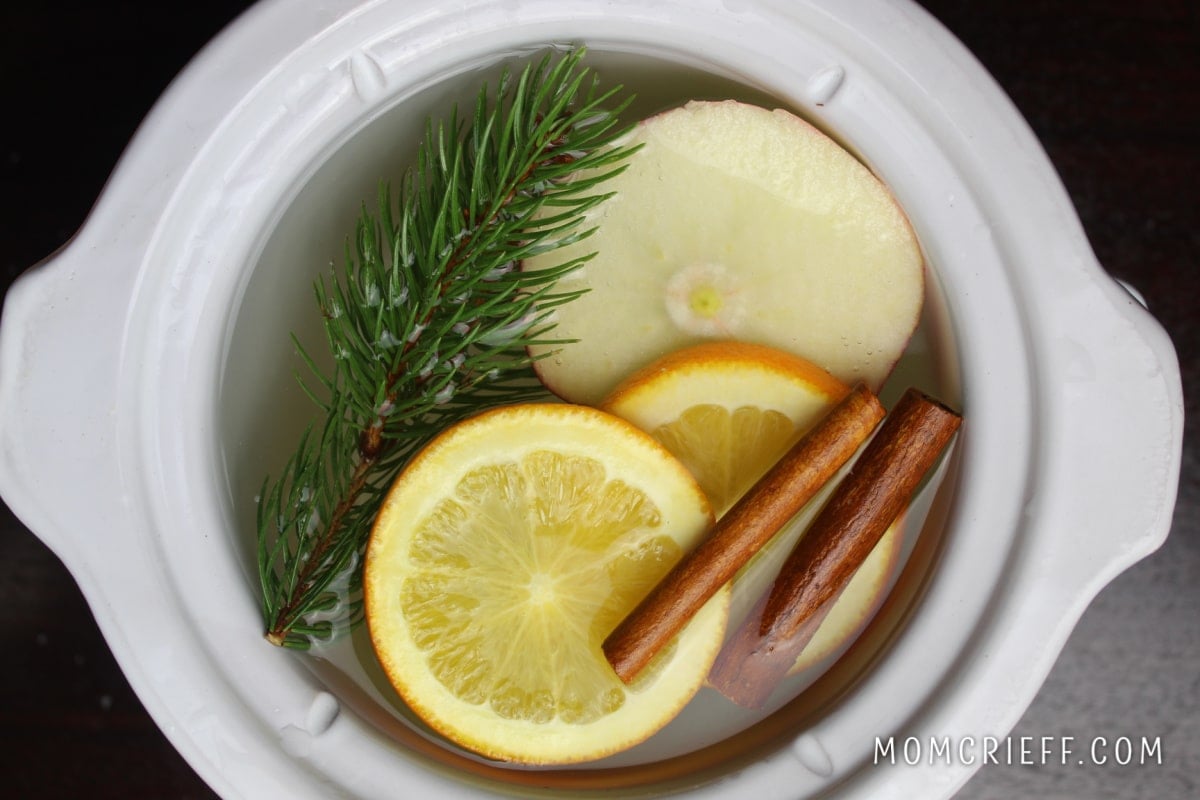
x=1112, y=88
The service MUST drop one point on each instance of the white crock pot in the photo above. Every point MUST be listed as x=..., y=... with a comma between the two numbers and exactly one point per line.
x=142, y=370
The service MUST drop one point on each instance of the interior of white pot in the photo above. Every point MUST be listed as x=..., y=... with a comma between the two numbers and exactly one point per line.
x=262, y=412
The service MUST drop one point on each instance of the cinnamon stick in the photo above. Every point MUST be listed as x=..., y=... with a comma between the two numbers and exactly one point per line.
x=750, y=666
x=863, y=506
x=742, y=531
x=878, y=487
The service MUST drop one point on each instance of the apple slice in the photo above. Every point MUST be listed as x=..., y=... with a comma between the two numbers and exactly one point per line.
x=735, y=222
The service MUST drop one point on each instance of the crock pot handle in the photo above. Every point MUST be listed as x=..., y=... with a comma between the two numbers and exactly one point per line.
x=60, y=339
x=1118, y=429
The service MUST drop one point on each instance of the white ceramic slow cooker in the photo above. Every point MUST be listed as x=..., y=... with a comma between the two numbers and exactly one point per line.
x=142, y=369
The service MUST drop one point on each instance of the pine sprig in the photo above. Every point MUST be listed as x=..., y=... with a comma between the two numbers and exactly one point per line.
x=429, y=321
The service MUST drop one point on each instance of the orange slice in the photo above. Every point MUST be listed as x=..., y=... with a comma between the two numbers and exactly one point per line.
x=505, y=553
x=729, y=410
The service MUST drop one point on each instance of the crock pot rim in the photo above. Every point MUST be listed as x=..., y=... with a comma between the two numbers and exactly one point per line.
x=463, y=43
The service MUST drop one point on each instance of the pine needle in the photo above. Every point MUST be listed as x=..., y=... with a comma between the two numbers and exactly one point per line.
x=428, y=321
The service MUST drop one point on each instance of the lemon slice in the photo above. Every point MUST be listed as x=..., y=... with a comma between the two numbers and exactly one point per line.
x=505, y=553
x=729, y=410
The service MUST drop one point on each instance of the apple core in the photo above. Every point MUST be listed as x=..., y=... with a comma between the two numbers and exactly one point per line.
x=705, y=300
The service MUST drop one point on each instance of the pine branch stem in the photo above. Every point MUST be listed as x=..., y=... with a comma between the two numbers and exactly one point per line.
x=287, y=614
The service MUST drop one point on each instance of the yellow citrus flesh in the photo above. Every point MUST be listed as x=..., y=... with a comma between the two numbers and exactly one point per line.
x=504, y=555
x=729, y=410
